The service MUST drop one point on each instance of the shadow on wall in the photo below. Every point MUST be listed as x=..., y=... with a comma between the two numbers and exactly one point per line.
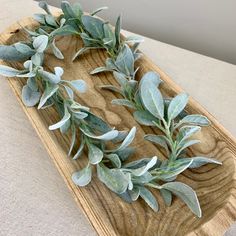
x=207, y=27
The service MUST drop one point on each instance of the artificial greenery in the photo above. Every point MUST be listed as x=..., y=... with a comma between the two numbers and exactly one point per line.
x=109, y=149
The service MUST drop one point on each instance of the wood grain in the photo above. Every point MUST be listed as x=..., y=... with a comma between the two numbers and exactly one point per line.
x=215, y=185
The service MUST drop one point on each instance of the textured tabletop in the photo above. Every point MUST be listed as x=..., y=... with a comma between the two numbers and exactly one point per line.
x=34, y=199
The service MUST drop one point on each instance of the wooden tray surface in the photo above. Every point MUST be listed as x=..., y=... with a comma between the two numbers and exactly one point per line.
x=215, y=185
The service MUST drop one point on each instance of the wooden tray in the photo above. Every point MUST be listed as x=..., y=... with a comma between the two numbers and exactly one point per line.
x=215, y=185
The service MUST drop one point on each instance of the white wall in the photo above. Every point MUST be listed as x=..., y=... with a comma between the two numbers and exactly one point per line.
x=204, y=26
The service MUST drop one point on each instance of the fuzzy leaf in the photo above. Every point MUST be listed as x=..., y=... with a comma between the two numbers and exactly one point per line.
x=123, y=102
x=125, y=61
x=177, y=105
x=140, y=171
x=186, y=194
x=195, y=120
x=95, y=154
x=8, y=71
x=30, y=97
x=148, y=197
x=82, y=177
x=40, y=43
x=167, y=196
x=94, y=26
x=64, y=119
x=49, y=91
x=127, y=141
x=200, y=161
x=56, y=50
x=151, y=97
x=115, y=160
x=144, y=118
x=114, y=179
x=106, y=137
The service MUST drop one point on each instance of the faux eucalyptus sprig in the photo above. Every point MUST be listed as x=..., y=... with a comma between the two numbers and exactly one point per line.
x=109, y=149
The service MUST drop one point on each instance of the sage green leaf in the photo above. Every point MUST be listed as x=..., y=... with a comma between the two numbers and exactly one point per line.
x=99, y=70
x=48, y=76
x=94, y=26
x=148, y=197
x=37, y=59
x=30, y=97
x=81, y=51
x=144, y=118
x=64, y=119
x=69, y=91
x=140, y=163
x=82, y=177
x=8, y=71
x=40, y=43
x=95, y=154
x=31, y=82
x=63, y=31
x=157, y=139
x=117, y=31
x=9, y=53
x=151, y=98
x=77, y=9
x=123, y=102
x=106, y=137
x=65, y=127
x=44, y=6
x=49, y=91
x=73, y=138
x=109, y=35
x=120, y=78
x=40, y=18
x=114, y=179
x=134, y=193
x=186, y=132
x=195, y=120
x=186, y=144
x=97, y=123
x=200, y=161
x=127, y=141
x=23, y=48
x=115, y=160
x=177, y=105
x=125, y=196
x=186, y=194
x=125, y=153
x=167, y=196
x=173, y=169
x=56, y=50
x=125, y=61
x=80, y=149
x=98, y=10
x=51, y=21
x=80, y=115
x=143, y=179
x=151, y=77
x=120, y=137
x=67, y=10
x=79, y=85
x=140, y=171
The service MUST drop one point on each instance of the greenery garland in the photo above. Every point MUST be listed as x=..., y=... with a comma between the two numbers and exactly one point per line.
x=130, y=180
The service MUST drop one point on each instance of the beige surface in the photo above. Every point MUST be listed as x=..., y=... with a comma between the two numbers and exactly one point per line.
x=34, y=199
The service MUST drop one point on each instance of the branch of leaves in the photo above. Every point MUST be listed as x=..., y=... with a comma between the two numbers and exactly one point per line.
x=132, y=181
x=99, y=34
